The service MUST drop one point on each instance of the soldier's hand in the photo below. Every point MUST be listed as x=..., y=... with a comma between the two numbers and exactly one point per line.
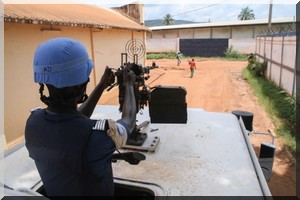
x=128, y=76
x=108, y=77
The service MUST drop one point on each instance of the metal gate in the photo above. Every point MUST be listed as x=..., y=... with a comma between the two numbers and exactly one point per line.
x=203, y=47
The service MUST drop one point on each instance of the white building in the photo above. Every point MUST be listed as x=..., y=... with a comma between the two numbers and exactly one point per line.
x=206, y=39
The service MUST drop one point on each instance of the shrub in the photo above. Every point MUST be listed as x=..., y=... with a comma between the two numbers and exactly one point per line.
x=258, y=69
x=234, y=54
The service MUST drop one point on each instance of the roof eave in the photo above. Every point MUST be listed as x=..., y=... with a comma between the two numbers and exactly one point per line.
x=66, y=23
x=207, y=25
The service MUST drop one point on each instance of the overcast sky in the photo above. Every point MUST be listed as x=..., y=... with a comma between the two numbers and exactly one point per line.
x=213, y=10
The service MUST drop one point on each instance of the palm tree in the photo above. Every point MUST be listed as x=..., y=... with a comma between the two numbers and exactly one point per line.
x=168, y=19
x=246, y=14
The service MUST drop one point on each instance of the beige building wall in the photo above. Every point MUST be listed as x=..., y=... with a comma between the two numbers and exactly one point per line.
x=243, y=45
x=20, y=43
x=170, y=34
x=108, y=46
x=186, y=33
x=203, y=33
x=243, y=32
x=221, y=32
x=162, y=45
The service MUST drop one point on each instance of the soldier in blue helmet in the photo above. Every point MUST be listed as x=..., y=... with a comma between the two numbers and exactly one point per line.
x=71, y=151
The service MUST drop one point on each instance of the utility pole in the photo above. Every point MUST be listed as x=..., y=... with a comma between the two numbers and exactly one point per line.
x=270, y=15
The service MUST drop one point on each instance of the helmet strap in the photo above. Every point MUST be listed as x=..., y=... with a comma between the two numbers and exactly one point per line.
x=84, y=96
x=80, y=95
x=43, y=98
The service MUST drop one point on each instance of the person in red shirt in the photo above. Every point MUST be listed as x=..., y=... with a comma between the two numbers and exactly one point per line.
x=192, y=67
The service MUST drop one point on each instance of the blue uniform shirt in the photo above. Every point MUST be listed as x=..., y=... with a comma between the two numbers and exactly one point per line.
x=71, y=157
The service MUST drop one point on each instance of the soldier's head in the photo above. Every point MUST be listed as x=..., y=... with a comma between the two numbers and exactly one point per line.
x=63, y=65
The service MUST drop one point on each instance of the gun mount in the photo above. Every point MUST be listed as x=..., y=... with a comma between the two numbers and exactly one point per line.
x=142, y=91
x=142, y=95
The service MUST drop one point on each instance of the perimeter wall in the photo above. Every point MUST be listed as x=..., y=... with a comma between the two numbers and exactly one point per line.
x=279, y=51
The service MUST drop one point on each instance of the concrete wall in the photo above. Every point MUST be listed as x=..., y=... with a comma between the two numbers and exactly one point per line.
x=220, y=33
x=243, y=32
x=20, y=43
x=280, y=52
x=186, y=33
x=243, y=45
x=162, y=44
x=202, y=33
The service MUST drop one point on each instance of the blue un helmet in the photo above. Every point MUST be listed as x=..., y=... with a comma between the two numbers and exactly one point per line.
x=61, y=62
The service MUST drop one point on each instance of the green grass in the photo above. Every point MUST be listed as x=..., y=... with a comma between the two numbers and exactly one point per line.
x=162, y=55
x=233, y=54
x=280, y=106
x=172, y=55
x=169, y=55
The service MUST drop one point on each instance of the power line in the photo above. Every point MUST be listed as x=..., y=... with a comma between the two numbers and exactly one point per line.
x=198, y=9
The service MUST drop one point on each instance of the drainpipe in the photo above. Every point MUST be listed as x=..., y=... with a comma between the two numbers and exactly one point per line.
x=132, y=39
x=2, y=136
x=144, y=41
x=93, y=56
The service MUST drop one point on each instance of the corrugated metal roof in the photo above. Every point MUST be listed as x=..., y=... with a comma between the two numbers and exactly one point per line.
x=223, y=24
x=69, y=15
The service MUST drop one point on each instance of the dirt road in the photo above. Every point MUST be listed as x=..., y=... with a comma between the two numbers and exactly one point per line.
x=218, y=86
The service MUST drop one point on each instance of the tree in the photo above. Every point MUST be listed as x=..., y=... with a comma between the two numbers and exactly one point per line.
x=246, y=14
x=168, y=19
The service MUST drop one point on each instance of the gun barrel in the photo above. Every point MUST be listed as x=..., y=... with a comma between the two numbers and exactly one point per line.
x=148, y=68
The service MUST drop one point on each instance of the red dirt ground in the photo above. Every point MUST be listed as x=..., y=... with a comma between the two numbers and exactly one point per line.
x=218, y=86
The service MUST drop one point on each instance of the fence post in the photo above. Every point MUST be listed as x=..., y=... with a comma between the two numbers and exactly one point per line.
x=271, y=58
x=294, y=80
x=256, y=46
x=281, y=61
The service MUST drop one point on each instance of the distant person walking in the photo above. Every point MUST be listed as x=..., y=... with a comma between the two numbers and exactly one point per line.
x=178, y=58
x=192, y=67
